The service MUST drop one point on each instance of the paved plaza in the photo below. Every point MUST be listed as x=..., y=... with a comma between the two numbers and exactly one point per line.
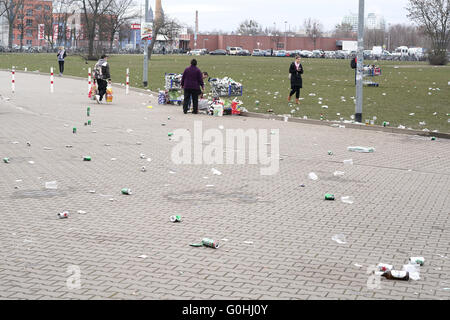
x=275, y=236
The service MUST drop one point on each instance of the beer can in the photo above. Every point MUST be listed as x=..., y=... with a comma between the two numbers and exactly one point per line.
x=417, y=260
x=126, y=191
x=89, y=122
x=74, y=130
x=433, y=138
x=329, y=196
x=330, y=153
x=170, y=134
x=210, y=243
x=87, y=158
x=6, y=160
x=175, y=219
x=63, y=215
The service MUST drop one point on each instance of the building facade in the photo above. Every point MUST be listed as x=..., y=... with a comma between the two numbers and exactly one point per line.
x=213, y=42
x=373, y=21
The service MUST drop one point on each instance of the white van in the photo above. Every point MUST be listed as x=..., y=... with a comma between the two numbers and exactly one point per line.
x=234, y=51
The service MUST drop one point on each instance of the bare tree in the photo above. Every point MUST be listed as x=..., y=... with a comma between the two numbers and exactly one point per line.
x=374, y=37
x=11, y=8
x=93, y=10
x=117, y=15
x=249, y=27
x=313, y=29
x=434, y=17
x=158, y=23
x=343, y=30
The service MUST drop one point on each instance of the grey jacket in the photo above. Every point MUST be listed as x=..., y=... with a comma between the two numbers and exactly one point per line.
x=105, y=75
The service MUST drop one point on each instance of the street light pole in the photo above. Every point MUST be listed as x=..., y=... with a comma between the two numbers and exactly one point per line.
x=145, y=42
x=360, y=64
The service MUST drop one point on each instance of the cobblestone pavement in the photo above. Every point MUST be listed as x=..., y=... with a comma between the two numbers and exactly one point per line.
x=279, y=234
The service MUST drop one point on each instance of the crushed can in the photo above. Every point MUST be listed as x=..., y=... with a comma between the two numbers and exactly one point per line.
x=330, y=153
x=87, y=158
x=417, y=260
x=126, y=191
x=329, y=196
x=6, y=160
x=63, y=215
x=175, y=219
x=210, y=243
x=89, y=122
x=74, y=130
x=170, y=134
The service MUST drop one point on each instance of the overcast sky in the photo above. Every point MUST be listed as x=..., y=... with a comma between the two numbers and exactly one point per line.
x=227, y=14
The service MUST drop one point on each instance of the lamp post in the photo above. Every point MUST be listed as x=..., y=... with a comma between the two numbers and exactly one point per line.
x=360, y=64
x=145, y=43
x=285, y=35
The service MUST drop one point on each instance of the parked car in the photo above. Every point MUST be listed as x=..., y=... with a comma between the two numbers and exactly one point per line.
x=244, y=53
x=306, y=54
x=218, y=52
x=234, y=51
x=257, y=52
x=196, y=52
x=281, y=53
x=318, y=54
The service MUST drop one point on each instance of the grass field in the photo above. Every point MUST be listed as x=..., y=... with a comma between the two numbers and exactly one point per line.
x=406, y=88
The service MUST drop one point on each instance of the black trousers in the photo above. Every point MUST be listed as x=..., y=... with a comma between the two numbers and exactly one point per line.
x=188, y=93
x=102, y=84
x=61, y=66
x=295, y=90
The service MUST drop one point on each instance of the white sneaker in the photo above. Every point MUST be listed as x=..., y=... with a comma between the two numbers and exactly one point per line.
x=97, y=98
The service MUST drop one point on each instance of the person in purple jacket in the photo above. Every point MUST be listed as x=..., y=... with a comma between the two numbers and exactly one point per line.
x=191, y=82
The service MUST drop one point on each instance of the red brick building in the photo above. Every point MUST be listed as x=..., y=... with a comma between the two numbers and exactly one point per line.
x=29, y=16
x=213, y=42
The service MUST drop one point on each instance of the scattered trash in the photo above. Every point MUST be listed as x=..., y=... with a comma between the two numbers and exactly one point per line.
x=210, y=243
x=383, y=267
x=51, y=185
x=330, y=153
x=31, y=162
x=113, y=159
x=216, y=172
x=413, y=271
x=142, y=156
x=6, y=160
x=348, y=200
x=143, y=256
x=248, y=242
x=313, y=176
x=361, y=149
x=170, y=134
x=81, y=212
x=69, y=146
x=348, y=162
x=175, y=219
x=302, y=186
x=196, y=244
x=339, y=238
x=396, y=275
x=358, y=265
x=63, y=215
x=87, y=158
x=91, y=191
x=417, y=260
x=29, y=143
x=129, y=130
x=330, y=197
x=126, y=191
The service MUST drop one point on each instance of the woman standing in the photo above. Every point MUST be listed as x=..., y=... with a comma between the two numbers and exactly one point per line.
x=295, y=73
x=61, y=55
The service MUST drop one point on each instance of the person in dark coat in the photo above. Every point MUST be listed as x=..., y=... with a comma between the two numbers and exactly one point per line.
x=191, y=82
x=295, y=73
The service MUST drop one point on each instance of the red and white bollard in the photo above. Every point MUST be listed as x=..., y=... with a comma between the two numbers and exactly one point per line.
x=13, y=79
x=51, y=79
x=89, y=80
x=127, y=87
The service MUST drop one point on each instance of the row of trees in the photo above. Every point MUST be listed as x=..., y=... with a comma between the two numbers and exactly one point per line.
x=432, y=30
x=97, y=22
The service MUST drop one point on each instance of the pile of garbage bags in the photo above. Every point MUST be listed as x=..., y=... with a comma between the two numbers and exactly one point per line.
x=173, y=81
